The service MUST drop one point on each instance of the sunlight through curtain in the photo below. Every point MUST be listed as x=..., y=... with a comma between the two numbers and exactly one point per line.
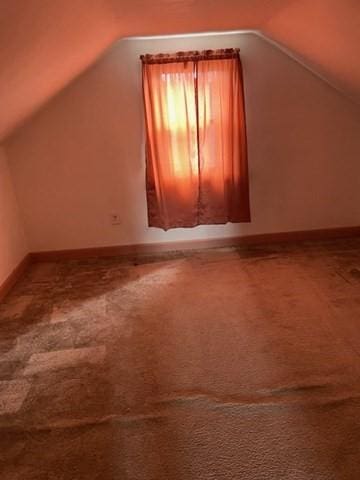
x=196, y=157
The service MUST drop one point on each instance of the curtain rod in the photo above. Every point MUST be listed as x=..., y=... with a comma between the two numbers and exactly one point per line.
x=193, y=55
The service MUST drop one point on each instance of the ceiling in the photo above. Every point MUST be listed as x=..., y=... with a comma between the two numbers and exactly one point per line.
x=45, y=44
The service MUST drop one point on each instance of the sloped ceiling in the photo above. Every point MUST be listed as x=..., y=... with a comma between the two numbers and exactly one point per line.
x=325, y=34
x=45, y=44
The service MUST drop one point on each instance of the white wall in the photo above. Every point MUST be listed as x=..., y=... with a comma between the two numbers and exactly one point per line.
x=13, y=247
x=82, y=157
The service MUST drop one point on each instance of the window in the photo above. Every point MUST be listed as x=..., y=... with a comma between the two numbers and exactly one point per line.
x=196, y=162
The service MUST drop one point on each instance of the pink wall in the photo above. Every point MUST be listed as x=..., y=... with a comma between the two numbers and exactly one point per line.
x=82, y=157
x=326, y=35
x=44, y=45
x=13, y=245
x=40, y=56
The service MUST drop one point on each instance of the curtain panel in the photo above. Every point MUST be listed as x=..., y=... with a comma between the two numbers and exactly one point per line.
x=196, y=154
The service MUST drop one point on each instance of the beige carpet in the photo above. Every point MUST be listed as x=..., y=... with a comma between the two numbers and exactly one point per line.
x=214, y=365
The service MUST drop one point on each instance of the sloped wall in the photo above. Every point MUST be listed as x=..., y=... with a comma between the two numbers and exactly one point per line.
x=13, y=247
x=82, y=157
x=44, y=45
x=326, y=35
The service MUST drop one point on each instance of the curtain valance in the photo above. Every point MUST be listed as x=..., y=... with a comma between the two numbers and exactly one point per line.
x=191, y=56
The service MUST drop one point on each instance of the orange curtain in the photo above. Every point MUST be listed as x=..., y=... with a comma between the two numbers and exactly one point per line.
x=196, y=159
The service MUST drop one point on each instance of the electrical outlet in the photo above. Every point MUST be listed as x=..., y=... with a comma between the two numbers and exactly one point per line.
x=115, y=219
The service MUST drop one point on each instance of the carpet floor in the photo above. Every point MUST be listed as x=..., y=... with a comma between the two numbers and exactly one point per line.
x=224, y=364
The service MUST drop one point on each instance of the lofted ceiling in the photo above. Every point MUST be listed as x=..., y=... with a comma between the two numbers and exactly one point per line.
x=45, y=44
x=325, y=34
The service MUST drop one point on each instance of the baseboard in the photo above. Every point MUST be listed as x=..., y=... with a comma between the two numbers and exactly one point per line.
x=153, y=248
x=14, y=277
